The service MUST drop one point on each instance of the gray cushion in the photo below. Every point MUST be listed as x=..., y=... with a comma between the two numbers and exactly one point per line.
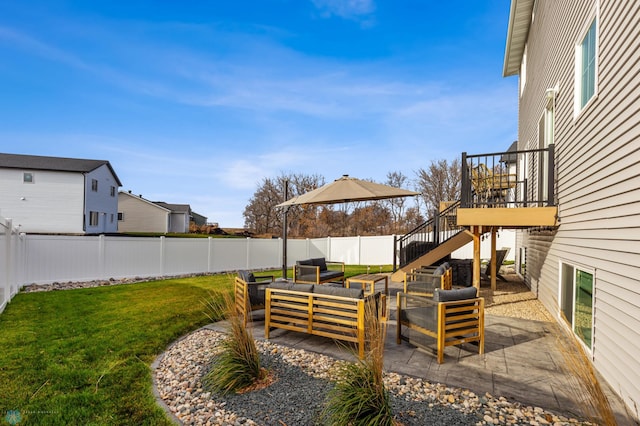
x=331, y=274
x=425, y=316
x=287, y=285
x=319, y=261
x=256, y=295
x=446, y=265
x=282, y=285
x=354, y=293
x=456, y=294
x=306, y=262
x=307, y=288
x=437, y=274
x=244, y=276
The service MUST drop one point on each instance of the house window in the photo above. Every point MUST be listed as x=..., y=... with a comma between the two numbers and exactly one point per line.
x=94, y=185
x=113, y=191
x=522, y=261
x=120, y=216
x=27, y=177
x=576, y=301
x=111, y=217
x=586, y=54
x=93, y=218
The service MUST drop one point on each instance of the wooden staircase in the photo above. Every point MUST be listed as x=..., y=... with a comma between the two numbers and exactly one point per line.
x=431, y=241
x=441, y=250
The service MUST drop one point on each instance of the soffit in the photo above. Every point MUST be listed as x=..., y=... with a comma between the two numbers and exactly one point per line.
x=519, y=23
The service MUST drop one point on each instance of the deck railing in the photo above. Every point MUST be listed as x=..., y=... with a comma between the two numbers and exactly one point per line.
x=509, y=179
x=438, y=229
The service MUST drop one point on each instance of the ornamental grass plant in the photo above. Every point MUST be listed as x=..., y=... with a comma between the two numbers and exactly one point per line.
x=359, y=396
x=237, y=365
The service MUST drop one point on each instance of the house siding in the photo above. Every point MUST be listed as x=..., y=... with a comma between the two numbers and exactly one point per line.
x=141, y=215
x=598, y=175
x=101, y=201
x=53, y=203
x=179, y=223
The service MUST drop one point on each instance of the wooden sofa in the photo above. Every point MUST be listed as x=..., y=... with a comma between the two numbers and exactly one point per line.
x=316, y=271
x=334, y=312
x=451, y=317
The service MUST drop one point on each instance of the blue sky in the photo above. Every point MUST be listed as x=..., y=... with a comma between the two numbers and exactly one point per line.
x=197, y=101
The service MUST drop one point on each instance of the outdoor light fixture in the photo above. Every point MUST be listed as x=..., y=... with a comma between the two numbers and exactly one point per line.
x=551, y=94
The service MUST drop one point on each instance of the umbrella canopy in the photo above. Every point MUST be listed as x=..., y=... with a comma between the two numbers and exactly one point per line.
x=347, y=189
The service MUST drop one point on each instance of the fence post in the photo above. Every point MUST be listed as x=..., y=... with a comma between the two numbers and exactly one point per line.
x=101, y=257
x=248, y=251
x=329, y=253
x=8, y=238
x=22, y=243
x=162, y=255
x=209, y=249
x=395, y=243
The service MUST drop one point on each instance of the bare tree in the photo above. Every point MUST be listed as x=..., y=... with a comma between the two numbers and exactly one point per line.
x=440, y=182
x=261, y=215
x=396, y=205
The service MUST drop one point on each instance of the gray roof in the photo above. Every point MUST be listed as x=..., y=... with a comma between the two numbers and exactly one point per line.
x=177, y=208
x=61, y=164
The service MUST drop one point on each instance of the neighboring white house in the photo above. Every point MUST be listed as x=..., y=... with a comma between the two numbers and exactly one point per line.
x=179, y=218
x=58, y=195
x=137, y=214
x=579, y=79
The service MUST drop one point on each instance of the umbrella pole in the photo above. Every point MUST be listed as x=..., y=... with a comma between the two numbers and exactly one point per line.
x=284, y=231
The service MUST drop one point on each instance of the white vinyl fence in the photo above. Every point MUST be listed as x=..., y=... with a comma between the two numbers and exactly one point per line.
x=44, y=259
x=12, y=266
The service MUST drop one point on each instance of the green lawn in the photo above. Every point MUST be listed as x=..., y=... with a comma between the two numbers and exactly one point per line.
x=83, y=356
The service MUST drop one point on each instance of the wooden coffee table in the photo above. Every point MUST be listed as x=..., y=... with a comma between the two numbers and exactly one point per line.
x=371, y=280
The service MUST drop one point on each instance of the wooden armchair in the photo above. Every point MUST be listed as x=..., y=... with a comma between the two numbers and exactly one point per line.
x=451, y=317
x=423, y=281
x=490, y=187
x=500, y=256
x=249, y=293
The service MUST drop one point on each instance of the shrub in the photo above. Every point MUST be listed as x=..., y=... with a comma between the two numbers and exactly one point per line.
x=237, y=365
x=359, y=396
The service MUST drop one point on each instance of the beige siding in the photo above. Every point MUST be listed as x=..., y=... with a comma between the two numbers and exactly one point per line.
x=598, y=175
x=141, y=215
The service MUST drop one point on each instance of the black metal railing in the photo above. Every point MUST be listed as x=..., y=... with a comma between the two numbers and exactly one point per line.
x=509, y=179
x=424, y=238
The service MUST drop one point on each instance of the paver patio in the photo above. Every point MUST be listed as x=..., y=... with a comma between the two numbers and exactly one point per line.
x=523, y=361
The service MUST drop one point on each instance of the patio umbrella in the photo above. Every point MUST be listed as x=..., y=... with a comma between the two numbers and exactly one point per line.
x=348, y=189
x=343, y=190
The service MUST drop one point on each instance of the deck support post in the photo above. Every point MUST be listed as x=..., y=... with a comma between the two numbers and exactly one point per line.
x=493, y=265
x=476, y=257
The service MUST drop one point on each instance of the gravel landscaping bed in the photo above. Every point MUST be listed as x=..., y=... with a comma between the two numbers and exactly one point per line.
x=303, y=379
